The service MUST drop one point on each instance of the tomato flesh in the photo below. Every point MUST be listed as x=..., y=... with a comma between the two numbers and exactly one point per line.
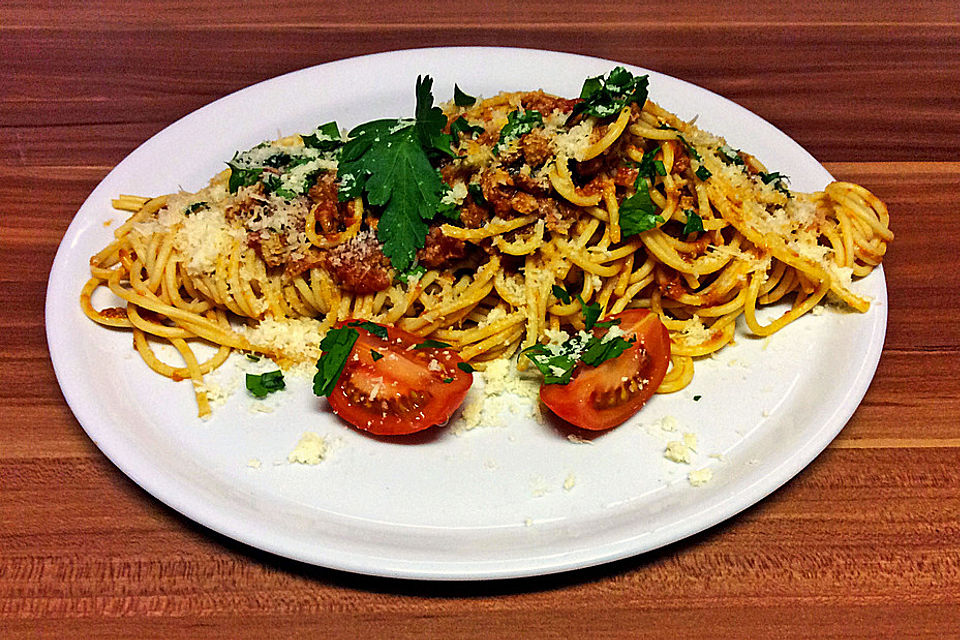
x=390, y=387
x=602, y=397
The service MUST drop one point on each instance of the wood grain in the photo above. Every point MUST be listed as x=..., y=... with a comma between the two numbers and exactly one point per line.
x=864, y=543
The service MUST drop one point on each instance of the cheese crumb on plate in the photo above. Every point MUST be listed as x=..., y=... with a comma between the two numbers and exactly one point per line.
x=311, y=449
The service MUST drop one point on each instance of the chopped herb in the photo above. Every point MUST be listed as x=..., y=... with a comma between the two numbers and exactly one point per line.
x=730, y=155
x=366, y=325
x=606, y=96
x=519, y=123
x=194, y=207
x=476, y=193
x=599, y=351
x=461, y=99
x=432, y=344
x=556, y=365
x=376, y=355
x=261, y=385
x=447, y=380
x=697, y=398
x=326, y=137
x=606, y=324
x=414, y=271
x=461, y=127
x=466, y=368
x=638, y=213
x=694, y=222
x=591, y=313
x=778, y=180
x=702, y=172
x=390, y=160
x=240, y=177
x=335, y=347
x=691, y=150
x=558, y=362
x=448, y=205
x=253, y=357
x=648, y=167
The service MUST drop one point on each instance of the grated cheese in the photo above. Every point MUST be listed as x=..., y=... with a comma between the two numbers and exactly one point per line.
x=310, y=450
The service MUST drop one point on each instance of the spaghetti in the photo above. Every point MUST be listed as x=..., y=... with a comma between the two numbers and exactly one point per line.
x=571, y=210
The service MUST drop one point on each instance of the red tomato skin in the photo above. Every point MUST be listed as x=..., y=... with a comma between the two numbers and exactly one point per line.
x=403, y=368
x=647, y=360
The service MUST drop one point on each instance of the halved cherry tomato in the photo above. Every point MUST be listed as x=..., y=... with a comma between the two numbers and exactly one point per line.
x=602, y=397
x=392, y=387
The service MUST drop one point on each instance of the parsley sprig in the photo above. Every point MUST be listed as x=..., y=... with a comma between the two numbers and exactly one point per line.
x=591, y=312
x=638, y=213
x=557, y=363
x=519, y=123
x=606, y=96
x=335, y=349
x=262, y=384
x=778, y=180
x=694, y=223
x=391, y=161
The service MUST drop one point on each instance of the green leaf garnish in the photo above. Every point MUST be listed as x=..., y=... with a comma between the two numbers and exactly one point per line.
x=465, y=367
x=461, y=127
x=390, y=161
x=591, y=313
x=697, y=398
x=461, y=99
x=194, y=207
x=262, y=384
x=432, y=344
x=376, y=355
x=778, y=180
x=606, y=324
x=691, y=150
x=606, y=96
x=413, y=271
x=702, y=172
x=476, y=193
x=557, y=363
x=240, y=177
x=599, y=351
x=648, y=167
x=694, y=222
x=730, y=155
x=519, y=123
x=447, y=380
x=372, y=327
x=336, y=347
x=638, y=213
x=326, y=137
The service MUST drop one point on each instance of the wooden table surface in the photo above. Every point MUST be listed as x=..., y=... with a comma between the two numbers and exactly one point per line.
x=865, y=542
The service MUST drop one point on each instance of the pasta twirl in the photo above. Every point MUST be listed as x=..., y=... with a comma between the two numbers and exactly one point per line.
x=546, y=209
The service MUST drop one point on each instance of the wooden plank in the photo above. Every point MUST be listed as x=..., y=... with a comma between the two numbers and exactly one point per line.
x=891, y=546
x=166, y=14
x=83, y=97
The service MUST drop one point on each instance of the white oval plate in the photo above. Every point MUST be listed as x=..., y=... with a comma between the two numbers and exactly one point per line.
x=499, y=501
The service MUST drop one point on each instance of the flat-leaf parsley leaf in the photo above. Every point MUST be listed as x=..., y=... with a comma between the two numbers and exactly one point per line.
x=604, y=97
x=390, y=161
x=335, y=347
x=262, y=384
